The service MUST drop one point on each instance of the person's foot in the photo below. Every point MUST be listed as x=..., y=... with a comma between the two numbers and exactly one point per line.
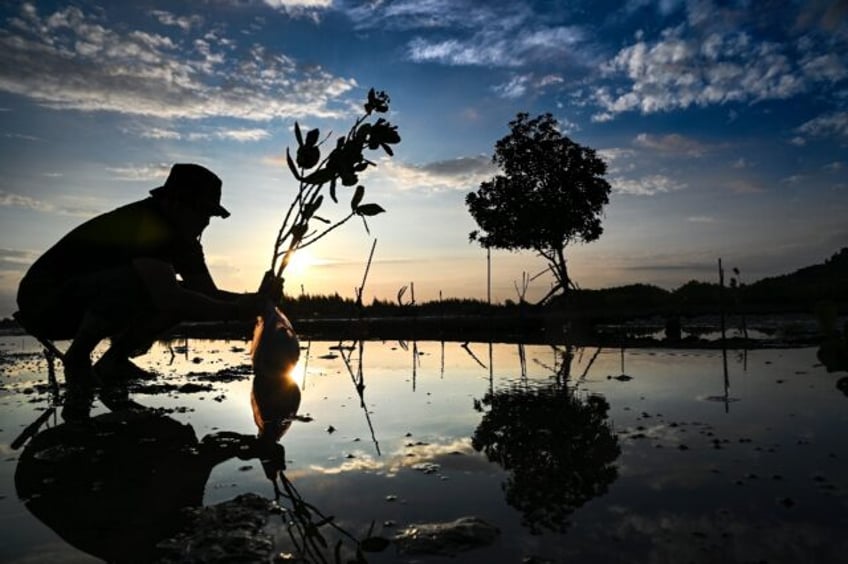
x=115, y=367
x=76, y=401
x=115, y=396
x=79, y=384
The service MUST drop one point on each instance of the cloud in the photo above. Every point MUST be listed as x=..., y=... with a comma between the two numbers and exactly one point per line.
x=618, y=160
x=404, y=15
x=463, y=33
x=8, y=200
x=746, y=186
x=21, y=136
x=311, y=9
x=645, y=186
x=700, y=219
x=671, y=144
x=299, y=4
x=72, y=60
x=68, y=205
x=518, y=85
x=489, y=52
x=501, y=44
x=183, y=22
x=515, y=88
x=461, y=173
x=682, y=69
x=15, y=260
x=834, y=124
x=242, y=135
x=147, y=172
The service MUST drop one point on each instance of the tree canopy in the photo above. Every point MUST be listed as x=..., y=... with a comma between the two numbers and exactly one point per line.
x=550, y=193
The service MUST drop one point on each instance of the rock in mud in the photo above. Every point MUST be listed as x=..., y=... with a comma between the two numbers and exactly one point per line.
x=232, y=531
x=446, y=539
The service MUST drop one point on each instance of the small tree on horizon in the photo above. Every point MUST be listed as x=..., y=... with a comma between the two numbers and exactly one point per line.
x=551, y=193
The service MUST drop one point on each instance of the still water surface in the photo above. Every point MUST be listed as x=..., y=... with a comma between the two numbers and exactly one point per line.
x=570, y=461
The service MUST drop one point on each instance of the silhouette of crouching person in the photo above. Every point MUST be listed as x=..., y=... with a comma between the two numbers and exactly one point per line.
x=115, y=276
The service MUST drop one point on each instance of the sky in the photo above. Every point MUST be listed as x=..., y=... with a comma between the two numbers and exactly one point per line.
x=724, y=126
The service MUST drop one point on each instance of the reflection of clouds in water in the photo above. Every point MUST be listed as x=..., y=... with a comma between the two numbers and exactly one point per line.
x=443, y=454
x=723, y=536
x=362, y=462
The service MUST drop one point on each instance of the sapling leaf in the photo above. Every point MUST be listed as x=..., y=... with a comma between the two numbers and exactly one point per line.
x=297, y=134
x=308, y=156
x=312, y=137
x=357, y=197
x=321, y=219
x=333, y=190
x=369, y=209
x=320, y=176
x=292, y=166
x=349, y=179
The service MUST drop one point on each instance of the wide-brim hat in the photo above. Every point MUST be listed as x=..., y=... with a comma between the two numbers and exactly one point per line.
x=195, y=184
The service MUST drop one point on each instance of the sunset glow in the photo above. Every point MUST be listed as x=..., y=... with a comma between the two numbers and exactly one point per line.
x=724, y=128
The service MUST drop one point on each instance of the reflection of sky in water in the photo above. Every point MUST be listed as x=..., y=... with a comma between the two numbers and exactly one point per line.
x=761, y=476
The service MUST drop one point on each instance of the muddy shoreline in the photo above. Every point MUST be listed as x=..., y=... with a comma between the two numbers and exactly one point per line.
x=700, y=332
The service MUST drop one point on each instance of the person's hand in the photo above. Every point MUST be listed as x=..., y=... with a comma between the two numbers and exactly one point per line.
x=253, y=305
x=271, y=286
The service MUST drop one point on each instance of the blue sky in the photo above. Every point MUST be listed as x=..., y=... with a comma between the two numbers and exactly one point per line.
x=724, y=125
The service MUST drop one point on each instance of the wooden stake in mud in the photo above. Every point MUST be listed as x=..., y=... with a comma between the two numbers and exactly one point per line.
x=723, y=335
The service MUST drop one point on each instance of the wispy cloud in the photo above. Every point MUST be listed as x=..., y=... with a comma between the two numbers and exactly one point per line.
x=746, y=186
x=464, y=33
x=673, y=144
x=650, y=185
x=501, y=44
x=66, y=205
x=19, y=201
x=462, y=173
x=183, y=22
x=15, y=260
x=156, y=171
x=833, y=124
x=71, y=59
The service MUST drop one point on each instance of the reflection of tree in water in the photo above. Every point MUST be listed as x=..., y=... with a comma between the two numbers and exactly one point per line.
x=558, y=447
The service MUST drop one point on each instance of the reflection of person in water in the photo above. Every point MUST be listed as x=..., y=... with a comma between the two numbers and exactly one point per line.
x=559, y=449
x=114, y=485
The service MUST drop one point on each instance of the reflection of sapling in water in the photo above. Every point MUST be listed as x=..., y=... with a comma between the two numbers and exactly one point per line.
x=275, y=396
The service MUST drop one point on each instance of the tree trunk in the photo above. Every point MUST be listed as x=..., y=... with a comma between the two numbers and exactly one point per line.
x=557, y=265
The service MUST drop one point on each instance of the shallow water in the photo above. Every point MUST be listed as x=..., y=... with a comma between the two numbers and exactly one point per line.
x=571, y=462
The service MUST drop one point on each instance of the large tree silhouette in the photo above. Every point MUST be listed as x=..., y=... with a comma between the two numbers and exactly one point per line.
x=551, y=193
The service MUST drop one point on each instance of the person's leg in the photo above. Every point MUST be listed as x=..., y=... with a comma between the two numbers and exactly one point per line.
x=133, y=341
x=113, y=302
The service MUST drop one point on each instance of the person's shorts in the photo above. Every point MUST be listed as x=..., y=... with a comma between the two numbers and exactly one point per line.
x=117, y=295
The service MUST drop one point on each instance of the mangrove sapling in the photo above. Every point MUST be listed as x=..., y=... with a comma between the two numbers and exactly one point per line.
x=318, y=176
